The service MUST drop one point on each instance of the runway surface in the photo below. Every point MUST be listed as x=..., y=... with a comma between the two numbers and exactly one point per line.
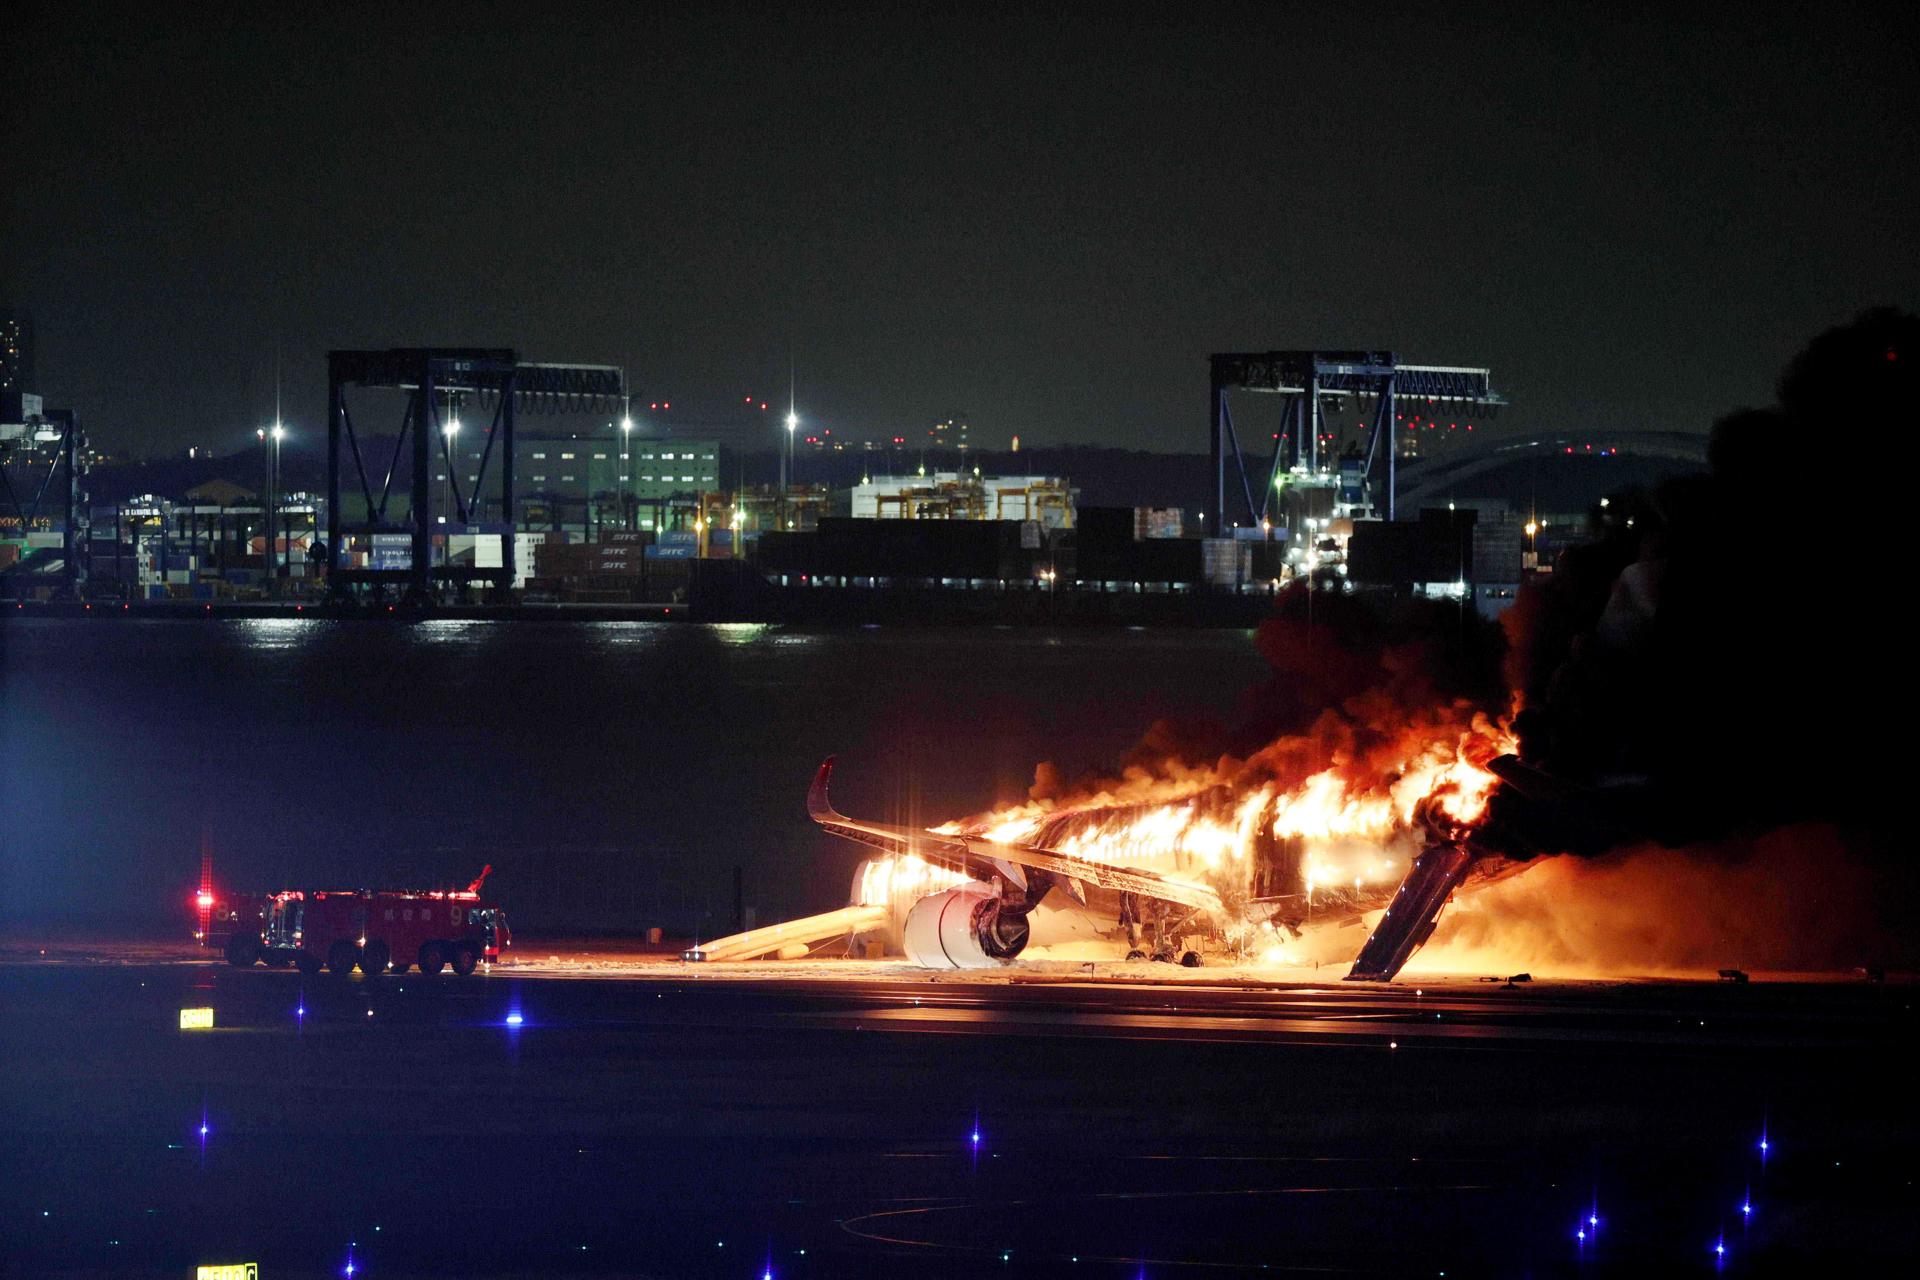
x=691, y=1123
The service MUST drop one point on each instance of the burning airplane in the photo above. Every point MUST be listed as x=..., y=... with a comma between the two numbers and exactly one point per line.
x=1235, y=861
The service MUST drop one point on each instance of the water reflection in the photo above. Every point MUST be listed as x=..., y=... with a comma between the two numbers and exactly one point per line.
x=278, y=633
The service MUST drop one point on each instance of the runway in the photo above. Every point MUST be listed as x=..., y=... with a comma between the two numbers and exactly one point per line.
x=824, y=1124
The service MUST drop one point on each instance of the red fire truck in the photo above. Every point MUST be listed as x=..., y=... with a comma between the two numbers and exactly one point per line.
x=376, y=931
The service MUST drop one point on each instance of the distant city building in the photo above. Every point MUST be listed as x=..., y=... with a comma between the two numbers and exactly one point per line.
x=570, y=471
x=16, y=351
x=951, y=434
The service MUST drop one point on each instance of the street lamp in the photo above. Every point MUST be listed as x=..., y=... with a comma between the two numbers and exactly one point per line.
x=270, y=438
x=626, y=468
x=787, y=472
x=451, y=430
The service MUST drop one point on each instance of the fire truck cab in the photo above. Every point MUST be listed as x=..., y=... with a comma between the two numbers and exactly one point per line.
x=378, y=932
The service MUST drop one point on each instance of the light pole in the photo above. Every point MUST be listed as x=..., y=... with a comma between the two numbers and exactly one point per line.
x=273, y=540
x=452, y=432
x=626, y=468
x=266, y=498
x=269, y=438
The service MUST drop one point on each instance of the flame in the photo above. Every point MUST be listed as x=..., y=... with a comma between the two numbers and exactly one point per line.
x=1349, y=795
x=901, y=879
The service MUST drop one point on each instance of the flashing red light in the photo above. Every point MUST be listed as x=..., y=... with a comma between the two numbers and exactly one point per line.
x=763, y=406
x=203, y=899
x=666, y=404
x=746, y=399
x=1893, y=354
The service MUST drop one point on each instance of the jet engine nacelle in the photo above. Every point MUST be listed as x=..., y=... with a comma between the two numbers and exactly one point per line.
x=963, y=927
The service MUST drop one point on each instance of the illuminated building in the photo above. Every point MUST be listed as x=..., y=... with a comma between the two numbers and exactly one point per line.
x=557, y=477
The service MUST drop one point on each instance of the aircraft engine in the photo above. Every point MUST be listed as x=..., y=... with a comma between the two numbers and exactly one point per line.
x=964, y=927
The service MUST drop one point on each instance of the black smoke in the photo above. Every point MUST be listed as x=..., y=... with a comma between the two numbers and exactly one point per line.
x=1732, y=651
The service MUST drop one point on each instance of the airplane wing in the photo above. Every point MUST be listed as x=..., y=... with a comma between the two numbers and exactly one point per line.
x=974, y=855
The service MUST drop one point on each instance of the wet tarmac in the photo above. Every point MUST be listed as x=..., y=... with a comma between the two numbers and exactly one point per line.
x=697, y=1123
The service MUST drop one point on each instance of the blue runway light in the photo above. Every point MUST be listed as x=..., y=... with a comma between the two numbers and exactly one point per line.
x=514, y=1019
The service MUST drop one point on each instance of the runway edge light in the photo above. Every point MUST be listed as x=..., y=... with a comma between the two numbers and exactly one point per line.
x=196, y=1019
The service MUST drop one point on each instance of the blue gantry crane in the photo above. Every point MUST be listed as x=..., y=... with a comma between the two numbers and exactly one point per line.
x=1304, y=379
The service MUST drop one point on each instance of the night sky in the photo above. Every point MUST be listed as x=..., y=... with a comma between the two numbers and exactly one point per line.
x=1044, y=219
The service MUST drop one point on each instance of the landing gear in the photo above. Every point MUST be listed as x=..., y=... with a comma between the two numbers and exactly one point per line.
x=1136, y=954
x=1191, y=960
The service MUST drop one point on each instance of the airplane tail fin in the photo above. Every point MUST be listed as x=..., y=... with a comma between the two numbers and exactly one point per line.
x=819, y=807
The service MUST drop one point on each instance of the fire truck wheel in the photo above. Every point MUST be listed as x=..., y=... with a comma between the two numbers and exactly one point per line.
x=373, y=958
x=307, y=962
x=341, y=957
x=242, y=950
x=465, y=958
x=433, y=958
x=1136, y=954
x=1191, y=960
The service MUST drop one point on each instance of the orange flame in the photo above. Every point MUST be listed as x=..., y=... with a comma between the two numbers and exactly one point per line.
x=1348, y=794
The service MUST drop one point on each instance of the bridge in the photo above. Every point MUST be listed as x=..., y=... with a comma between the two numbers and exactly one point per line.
x=1424, y=481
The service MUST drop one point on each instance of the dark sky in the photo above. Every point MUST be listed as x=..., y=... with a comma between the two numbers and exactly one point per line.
x=1042, y=218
